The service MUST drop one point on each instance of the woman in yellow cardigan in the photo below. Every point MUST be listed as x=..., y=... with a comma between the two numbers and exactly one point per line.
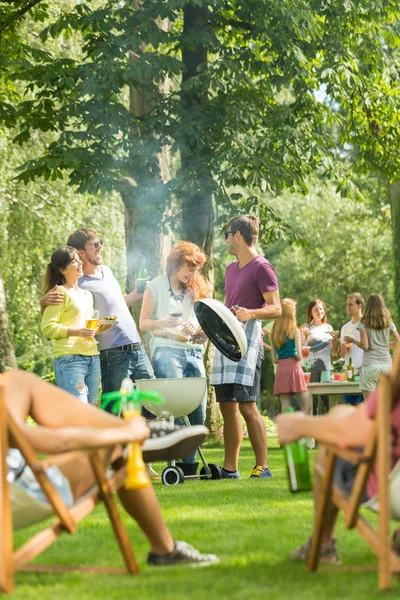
x=76, y=358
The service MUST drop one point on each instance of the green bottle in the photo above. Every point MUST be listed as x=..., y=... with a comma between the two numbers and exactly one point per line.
x=142, y=277
x=297, y=465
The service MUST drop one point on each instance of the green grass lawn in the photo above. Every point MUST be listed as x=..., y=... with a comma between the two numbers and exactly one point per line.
x=251, y=525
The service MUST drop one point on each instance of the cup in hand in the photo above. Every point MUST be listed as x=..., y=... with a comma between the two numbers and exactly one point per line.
x=175, y=308
x=91, y=323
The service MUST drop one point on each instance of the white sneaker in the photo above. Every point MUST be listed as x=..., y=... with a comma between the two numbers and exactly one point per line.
x=183, y=553
x=151, y=472
x=310, y=443
x=171, y=442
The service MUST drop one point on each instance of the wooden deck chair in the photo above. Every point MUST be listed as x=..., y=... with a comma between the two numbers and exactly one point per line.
x=377, y=448
x=67, y=518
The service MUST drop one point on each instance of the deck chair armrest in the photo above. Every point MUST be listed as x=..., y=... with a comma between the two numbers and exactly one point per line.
x=58, y=460
x=351, y=455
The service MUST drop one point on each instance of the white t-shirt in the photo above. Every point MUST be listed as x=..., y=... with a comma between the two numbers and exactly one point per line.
x=321, y=357
x=160, y=290
x=355, y=353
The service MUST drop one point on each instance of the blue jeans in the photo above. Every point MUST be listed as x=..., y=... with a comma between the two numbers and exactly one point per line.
x=79, y=375
x=176, y=362
x=116, y=364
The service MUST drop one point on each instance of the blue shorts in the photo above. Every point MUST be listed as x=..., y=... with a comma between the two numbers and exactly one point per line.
x=353, y=398
x=344, y=476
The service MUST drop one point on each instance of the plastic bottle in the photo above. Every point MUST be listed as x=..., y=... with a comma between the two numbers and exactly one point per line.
x=297, y=464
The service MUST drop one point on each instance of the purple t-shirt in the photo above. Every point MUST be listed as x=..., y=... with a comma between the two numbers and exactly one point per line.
x=246, y=286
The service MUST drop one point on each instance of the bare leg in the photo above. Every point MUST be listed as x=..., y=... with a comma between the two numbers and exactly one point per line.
x=233, y=434
x=286, y=401
x=325, y=403
x=256, y=430
x=339, y=411
x=142, y=505
x=52, y=407
x=27, y=394
x=304, y=401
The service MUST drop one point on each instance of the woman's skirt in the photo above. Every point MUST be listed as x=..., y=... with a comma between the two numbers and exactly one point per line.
x=289, y=378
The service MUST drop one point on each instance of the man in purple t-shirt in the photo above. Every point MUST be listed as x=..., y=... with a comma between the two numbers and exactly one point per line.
x=251, y=285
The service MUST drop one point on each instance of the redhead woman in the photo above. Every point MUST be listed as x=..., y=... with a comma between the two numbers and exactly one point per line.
x=76, y=358
x=168, y=305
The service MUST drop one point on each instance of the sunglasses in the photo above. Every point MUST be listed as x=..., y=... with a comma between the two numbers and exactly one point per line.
x=96, y=244
x=227, y=234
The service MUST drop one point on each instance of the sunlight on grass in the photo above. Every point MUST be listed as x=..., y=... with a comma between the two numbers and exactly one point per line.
x=251, y=525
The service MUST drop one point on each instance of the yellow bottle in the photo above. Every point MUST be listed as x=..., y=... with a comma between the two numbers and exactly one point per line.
x=136, y=473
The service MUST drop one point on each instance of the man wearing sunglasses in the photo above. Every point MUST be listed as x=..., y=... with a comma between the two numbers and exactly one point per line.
x=252, y=293
x=121, y=351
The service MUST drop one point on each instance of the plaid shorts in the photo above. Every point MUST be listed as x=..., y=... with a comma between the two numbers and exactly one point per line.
x=235, y=392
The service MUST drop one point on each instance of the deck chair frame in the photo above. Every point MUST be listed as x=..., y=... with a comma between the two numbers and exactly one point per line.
x=377, y=448
x=67, y=518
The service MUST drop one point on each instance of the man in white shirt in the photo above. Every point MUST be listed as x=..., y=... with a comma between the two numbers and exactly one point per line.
x=354, y=306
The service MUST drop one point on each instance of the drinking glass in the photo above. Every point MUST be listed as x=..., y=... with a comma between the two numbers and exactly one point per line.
x=349, y=332
x=175, y=307
x=92, y=318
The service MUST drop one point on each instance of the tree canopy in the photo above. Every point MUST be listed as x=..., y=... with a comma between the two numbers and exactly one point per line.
x=250, y=114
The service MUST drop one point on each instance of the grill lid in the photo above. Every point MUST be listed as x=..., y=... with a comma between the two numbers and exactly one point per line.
x=221, y=327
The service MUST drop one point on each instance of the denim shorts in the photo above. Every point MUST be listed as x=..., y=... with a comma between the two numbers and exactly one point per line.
x=20, y=474
x=79, y=375
x=369, y=375
x=344, y=476
x=235, y=392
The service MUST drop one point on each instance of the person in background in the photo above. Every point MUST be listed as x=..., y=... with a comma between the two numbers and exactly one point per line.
x=323, y=342
x=252, y=293
x=121, y=351
x=347, y=427
x=286, y=353
x=168, y=306
x=376, y=327
x=354, y=306
x=65, y=425
x=76, y=357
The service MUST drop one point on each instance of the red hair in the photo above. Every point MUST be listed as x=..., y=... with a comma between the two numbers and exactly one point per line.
x=187, y=253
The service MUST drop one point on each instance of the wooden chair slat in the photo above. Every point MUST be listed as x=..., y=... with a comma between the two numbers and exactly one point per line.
x=67, y=517
x=378, y=448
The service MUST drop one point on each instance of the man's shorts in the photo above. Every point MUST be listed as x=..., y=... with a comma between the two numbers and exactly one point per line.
x=369, y=375
x=235, y=392
x=353, y=398
x=344, y=476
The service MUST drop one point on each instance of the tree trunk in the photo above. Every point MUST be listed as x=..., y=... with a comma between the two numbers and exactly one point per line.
x=7, y=356
x=394, y=194
x=144, y=211
x=197, y=206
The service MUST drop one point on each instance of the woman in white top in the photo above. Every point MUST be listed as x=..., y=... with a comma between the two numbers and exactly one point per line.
x=323, y=342
x=168, y=306
x=376, y=326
